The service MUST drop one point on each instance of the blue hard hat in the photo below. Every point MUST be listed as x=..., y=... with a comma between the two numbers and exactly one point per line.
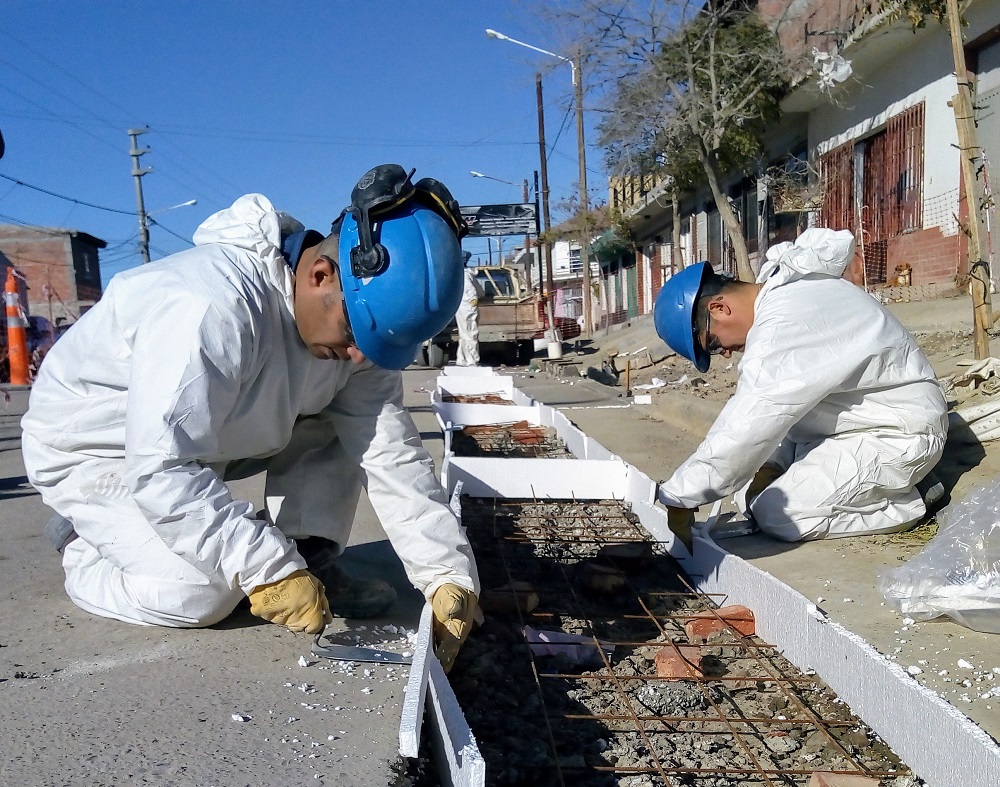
x=417, y=291
x=673, y=313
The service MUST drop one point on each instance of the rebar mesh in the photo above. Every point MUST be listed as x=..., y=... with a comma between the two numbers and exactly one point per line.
x=513, y=440
x=584, y=717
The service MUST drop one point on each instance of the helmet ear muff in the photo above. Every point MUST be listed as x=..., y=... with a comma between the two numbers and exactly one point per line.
x=369, y=262
x=381, y=190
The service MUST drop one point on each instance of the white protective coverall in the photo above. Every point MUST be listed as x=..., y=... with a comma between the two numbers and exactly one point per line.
x=832, y=389
x=467, y=320
x=183, y=369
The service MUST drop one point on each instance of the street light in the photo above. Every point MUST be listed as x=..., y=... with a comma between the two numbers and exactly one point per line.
x=146, y=217
x=490, y=177
x=523, y=185
x=179, y=205
x=501, y=37
x=575, y=65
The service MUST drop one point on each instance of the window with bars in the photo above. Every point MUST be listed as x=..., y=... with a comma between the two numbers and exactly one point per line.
x=891, y=179
x=837, y=172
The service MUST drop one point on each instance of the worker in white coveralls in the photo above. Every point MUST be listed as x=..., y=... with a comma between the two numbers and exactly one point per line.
x=467, y=320
x=836, y=416
x=265, y=347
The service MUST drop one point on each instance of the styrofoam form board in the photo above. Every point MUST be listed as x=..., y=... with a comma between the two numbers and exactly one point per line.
x=458, y=758
x=890, y=701
x=561, y=479
x=468, y=371
x=498, y=384
x=459, y=761
x=452, y=415
x=577, y=441
x=501, y=385
x=469, y=414
x=555, y=479
x=416, y=686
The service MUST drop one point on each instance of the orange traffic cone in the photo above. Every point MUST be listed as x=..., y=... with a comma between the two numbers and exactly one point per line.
x=17, y=337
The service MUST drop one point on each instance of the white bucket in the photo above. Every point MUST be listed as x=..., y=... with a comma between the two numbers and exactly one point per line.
x=555, y=350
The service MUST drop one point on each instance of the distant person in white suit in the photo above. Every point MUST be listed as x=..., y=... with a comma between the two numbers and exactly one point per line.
x=467, y=318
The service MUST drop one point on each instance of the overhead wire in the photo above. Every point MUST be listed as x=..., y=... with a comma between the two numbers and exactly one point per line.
x=171, y=232
x=68, y=199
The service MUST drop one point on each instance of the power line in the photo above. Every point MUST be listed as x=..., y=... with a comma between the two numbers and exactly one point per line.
x=77, y=126
x=59, y=68
x=68, y=199
x=169, y=231
x=55, y=92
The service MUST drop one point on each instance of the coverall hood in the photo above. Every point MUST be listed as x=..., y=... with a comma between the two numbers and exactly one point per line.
x=820, y=252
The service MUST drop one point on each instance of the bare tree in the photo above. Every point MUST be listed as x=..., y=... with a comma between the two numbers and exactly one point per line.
x=685, y=83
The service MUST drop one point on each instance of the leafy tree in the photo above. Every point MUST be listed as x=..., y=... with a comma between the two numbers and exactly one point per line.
x=688, y=86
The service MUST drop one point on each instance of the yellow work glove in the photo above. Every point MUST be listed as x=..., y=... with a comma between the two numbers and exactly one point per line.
x=453, y=608
x=681, y=521
x=763, y=478
x=297, y=602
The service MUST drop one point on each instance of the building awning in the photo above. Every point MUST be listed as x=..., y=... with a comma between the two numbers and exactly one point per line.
x=610, y=247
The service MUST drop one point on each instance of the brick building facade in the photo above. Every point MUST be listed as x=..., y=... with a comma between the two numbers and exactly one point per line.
x=60, y=266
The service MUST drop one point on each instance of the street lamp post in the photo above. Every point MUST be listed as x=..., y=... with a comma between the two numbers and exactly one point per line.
x=146, y=218
x=178, y=205
x=575, y=64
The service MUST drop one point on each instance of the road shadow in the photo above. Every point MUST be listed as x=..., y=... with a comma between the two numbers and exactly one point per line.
x=375, y=560
x=962, y=453
x=14, y=487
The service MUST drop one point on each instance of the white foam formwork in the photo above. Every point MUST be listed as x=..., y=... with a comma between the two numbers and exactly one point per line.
x=459, y=761
x=416, y=687
x=482, y=385
x=468, y=371
x=903, y=713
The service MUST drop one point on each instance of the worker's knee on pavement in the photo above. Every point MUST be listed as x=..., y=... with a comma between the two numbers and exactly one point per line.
x=771, y=512
x=185, y=606
x=104, y=589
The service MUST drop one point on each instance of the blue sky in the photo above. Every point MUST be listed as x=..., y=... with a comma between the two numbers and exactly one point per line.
x=293, y=100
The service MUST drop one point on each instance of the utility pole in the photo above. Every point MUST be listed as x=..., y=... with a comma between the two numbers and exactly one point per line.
x=584, y=199
x=970, y=156
x=538, y=244
x=137, y=173
x=544, y=167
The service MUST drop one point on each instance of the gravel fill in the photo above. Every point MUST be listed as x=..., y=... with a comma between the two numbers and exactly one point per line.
x=560, y=719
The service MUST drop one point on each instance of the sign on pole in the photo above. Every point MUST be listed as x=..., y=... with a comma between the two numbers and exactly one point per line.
x=510, y=219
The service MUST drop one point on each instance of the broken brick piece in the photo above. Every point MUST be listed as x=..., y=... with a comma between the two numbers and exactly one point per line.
x=682, y=662
x=702, y=626
x=601, y=579
x=827, y=779
x=509, y=599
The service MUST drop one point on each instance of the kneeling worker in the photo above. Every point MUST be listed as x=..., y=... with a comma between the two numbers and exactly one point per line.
x=837, y=414
x=266, y=347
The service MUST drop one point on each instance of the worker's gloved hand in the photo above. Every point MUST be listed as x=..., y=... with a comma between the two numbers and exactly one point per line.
x=763, y=478
x=453, y=608
x=297, y=602
x=681, y=521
